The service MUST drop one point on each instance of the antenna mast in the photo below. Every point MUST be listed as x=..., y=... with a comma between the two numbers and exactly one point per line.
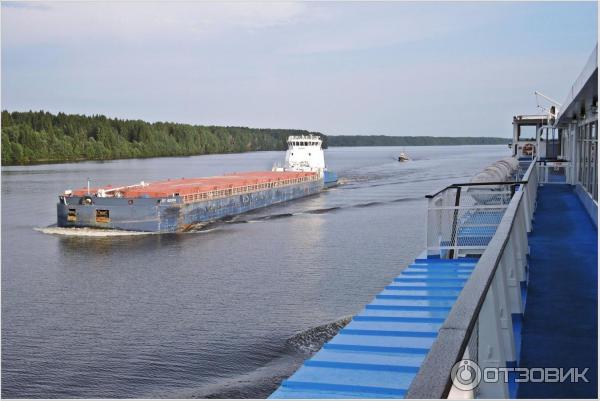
x=552, y=110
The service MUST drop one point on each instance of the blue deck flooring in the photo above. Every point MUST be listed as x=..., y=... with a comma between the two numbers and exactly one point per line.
x=379, y=352
x=561, y=318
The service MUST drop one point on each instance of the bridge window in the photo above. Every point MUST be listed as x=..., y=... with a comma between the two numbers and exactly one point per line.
x=527, y=133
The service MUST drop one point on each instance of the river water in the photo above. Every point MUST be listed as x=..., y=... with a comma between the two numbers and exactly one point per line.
x=228, y=311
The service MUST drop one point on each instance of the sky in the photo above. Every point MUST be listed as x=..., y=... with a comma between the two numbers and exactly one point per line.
x=353, y=68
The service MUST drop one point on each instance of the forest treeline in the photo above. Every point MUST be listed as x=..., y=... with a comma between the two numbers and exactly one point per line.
x=384, y=140
x=42, y=137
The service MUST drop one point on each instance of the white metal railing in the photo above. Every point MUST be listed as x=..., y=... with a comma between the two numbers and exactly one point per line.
x=479, y=326
x=553, y=172
x=462, y=218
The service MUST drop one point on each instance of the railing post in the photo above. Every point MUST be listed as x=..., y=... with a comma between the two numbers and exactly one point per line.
x=454, y=240
x=513, y=283
x=514, y=248
x=491, y=347
x=524, y=238
x=430, y=232
x=533, y=188
x=527, y=206
x=514, y=256
x=532, y=192
x=505, y=313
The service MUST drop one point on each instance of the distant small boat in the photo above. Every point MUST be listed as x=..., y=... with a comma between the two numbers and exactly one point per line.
x=403, y=157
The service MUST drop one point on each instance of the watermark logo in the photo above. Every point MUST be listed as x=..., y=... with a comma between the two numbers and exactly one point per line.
x=466, y=375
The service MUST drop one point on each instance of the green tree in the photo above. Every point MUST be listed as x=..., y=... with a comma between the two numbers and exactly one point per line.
x=35, y=137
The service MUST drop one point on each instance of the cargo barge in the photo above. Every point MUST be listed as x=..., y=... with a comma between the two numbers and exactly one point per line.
x=178, y=205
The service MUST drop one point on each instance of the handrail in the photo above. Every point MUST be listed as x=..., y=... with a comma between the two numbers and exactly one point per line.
x=530, y=169
x=553, y=161
x=433, y=379
x=522, y=182
x=474, y=184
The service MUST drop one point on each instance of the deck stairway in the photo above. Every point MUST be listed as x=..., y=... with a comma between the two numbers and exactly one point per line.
x=379, y=352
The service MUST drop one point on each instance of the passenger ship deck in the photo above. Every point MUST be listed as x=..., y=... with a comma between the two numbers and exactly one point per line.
x=561, y=317
x=511, y=284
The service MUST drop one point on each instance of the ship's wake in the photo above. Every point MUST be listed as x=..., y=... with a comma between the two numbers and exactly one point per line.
x=311, y=340
x=242, y=219
x=264, y=380
x=209, y=226
x=87, y=232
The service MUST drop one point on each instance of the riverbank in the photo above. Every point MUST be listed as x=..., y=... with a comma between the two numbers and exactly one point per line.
x=30, y=138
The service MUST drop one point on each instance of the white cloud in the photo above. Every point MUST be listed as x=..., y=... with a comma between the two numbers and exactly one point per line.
x=364, y=34
x=71, y=22
x=362, y=26
x=336, y=67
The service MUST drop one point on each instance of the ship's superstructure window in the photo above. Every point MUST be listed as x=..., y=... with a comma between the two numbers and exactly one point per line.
x=587, y=147
x=527, y=133
x=102, y=216
x=578, y=139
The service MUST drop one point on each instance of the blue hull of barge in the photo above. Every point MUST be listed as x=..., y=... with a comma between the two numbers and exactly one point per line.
x=330, y=179
x=172, y=214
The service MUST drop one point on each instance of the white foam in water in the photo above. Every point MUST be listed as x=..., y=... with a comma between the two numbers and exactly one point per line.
x=311, y=340
x=87, y=232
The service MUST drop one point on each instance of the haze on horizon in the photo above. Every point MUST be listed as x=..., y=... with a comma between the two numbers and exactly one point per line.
x=393, y=68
